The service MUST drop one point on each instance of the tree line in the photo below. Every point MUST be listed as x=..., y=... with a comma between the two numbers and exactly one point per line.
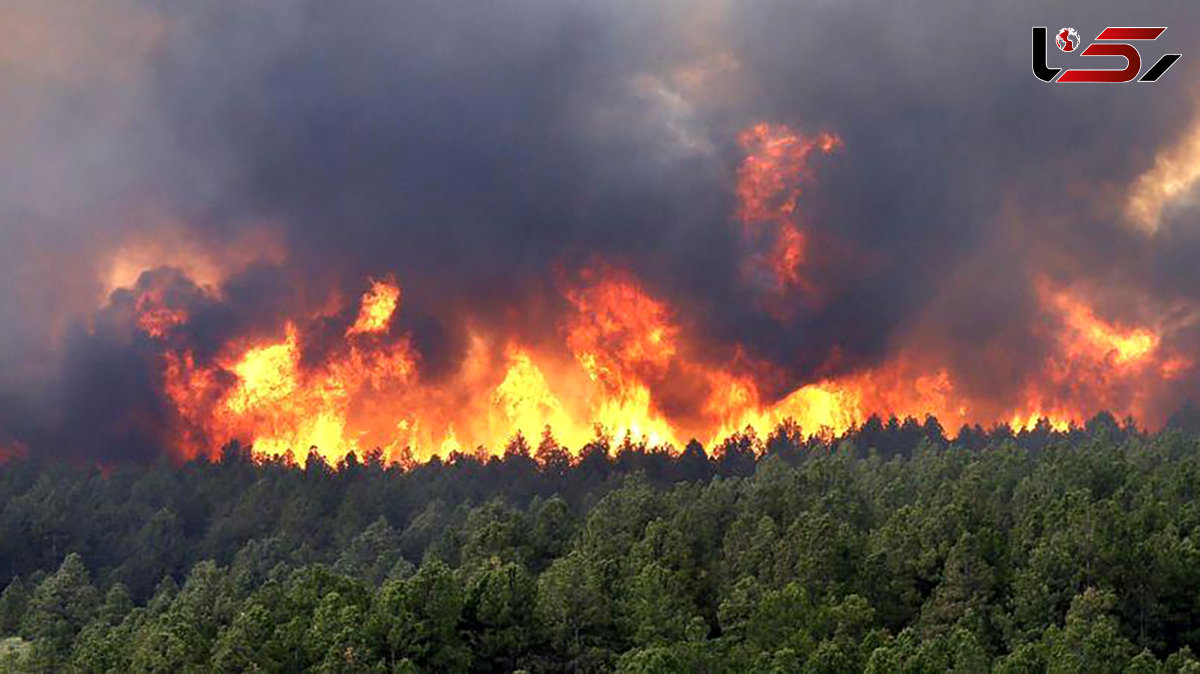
x=889, y=549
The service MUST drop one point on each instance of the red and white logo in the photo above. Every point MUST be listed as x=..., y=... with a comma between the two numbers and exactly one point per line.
x=1112, y=41
x=1067, y=39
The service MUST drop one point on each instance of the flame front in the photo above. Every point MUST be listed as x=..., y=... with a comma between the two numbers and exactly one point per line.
x=628, y=352
x=626, y=364
x=263, y=395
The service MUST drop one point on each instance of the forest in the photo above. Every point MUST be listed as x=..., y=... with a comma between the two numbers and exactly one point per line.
x=888, y=549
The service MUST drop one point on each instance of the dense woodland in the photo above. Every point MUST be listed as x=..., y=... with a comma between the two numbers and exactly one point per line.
x=888, y=550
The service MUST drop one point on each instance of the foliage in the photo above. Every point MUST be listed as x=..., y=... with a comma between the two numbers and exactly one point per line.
x=888, y=550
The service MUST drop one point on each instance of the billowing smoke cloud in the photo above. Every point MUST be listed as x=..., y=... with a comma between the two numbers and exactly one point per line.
x=485, y=153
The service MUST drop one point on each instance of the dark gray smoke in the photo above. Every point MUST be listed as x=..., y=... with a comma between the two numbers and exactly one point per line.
x=482, y=152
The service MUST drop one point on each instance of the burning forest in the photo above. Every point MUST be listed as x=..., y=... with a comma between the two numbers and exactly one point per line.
x=613, y=358
x=698, y=239
x=599, y=336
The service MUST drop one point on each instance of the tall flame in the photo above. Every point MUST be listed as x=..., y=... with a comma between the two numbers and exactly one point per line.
x=768, y=192
x=628, y=352
x=378, y=306
x=626, y=366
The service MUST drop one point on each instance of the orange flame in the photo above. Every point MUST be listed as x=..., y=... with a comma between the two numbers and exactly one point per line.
x=1098, y=364
x=629, y=355
x=279, y=406
x=627, y=365
x=155, y=318
x=378, y=305
x=768, y=192
x=1097, y=339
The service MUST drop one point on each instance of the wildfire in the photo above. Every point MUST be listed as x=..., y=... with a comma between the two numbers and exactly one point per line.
x=279, y=405
x=378, y=305
x=768, y=192
x=618, y=333
x=155, y=318
x=1099, y=339
x=629, y=353
x=1098, y=364
x=525, y=399
x=776, y=160
x=627, y=364
x=266, y=374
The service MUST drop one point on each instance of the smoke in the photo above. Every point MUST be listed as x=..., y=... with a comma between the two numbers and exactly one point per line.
x=267, y=159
